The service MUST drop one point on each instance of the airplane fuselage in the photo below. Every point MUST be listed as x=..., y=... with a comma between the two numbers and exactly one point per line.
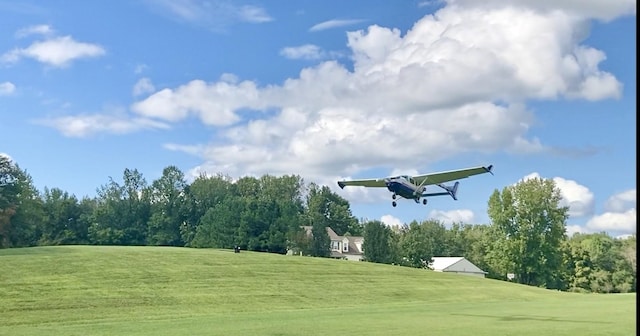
x=403, y=188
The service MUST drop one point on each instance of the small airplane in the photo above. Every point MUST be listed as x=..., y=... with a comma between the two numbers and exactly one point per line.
x=414, y=187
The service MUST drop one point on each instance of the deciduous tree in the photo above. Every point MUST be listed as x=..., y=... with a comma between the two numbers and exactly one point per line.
x=168, y=211
x=379, y=244
x=421, y=242
x=528, y=225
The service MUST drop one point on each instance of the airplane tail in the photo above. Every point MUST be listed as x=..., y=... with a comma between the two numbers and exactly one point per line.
x=453, y=191
x=449, y=190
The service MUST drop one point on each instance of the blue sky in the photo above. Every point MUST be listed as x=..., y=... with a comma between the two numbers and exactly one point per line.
x=330, y=90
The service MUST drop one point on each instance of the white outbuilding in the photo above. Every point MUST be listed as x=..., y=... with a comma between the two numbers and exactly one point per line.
x=458, y=265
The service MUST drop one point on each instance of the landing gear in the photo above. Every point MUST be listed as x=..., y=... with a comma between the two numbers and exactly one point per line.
x=394, y=203
x=393, y=196
x=424, y=201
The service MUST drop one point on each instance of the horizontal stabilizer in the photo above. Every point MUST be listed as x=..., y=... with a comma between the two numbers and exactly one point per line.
x=450, y=190
x=488, y=169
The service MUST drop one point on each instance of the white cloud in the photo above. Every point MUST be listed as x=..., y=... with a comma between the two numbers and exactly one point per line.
x=391, y=221
x=573, y=229
x=619, y=217
x=403, y=171
x=58, y=51
x=143, y=86
x=577, y=197
x=253, y=14
x=621, y=202
x=213, y=15
x=333, y=24
x=307, y=51
x=453, y=216
x=621, y=222
x=428, y=3
x=214, y=104
x=114, y=121
x=193, y=150
x=35, y=30
x=7, y=88
x=455, y=83
x=597, y=9
x=140, y=68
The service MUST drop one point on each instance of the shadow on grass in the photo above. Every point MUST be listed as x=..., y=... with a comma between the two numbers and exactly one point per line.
x=518, y=318
x=33, y=250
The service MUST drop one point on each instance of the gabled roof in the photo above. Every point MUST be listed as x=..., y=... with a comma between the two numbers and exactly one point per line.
x=332, y=234
x=454, y=264
x=441, y=263
x=354, y=242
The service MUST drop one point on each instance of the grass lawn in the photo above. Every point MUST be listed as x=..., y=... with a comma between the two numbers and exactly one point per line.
x=98, y=290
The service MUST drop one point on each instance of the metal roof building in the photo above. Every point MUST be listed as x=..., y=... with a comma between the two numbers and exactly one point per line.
x=458, y=265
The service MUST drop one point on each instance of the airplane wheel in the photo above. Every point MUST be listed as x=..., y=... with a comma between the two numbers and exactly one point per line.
x=394, y=203
x=393, y=196
x=424, y=201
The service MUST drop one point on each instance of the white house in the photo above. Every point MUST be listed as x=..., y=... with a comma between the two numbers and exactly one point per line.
x=458, y=265
x=343, y=247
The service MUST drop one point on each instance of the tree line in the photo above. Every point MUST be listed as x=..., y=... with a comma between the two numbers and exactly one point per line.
x=526, y=236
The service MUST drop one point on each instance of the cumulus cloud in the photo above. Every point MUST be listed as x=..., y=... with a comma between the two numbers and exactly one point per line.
x=56, y=51
x=114, y=121
x=573, y=229
x=602, y=10
x=621, y=202
x=307, y=51
x=333, y=24
x=214, y=104
x=456, y=82
x=619, y=217
x=453, y=216
x=143, y=86
x=577, y=197
x=391, y=221
x=621, y=222
x=7, y=88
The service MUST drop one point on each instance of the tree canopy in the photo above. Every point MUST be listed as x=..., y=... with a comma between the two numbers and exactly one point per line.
x=281, y=214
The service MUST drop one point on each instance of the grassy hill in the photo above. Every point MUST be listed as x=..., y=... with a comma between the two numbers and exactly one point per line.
x=99, y=290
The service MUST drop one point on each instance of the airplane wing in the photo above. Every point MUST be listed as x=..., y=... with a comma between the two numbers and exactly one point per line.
x=441, y=177
x=371, y=183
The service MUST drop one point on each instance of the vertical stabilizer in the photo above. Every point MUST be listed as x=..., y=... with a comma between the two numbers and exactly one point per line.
x=454, y=190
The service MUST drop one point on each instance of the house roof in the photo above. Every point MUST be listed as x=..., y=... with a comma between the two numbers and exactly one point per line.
x=354, y=242
x=441, y=263
x=332, y=234
x=454, y=264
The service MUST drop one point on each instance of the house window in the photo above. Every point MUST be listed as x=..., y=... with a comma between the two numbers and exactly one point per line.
x=335, y=245
x=345, y=248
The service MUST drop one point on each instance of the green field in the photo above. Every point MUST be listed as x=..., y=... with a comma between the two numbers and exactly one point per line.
x=83, y=290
